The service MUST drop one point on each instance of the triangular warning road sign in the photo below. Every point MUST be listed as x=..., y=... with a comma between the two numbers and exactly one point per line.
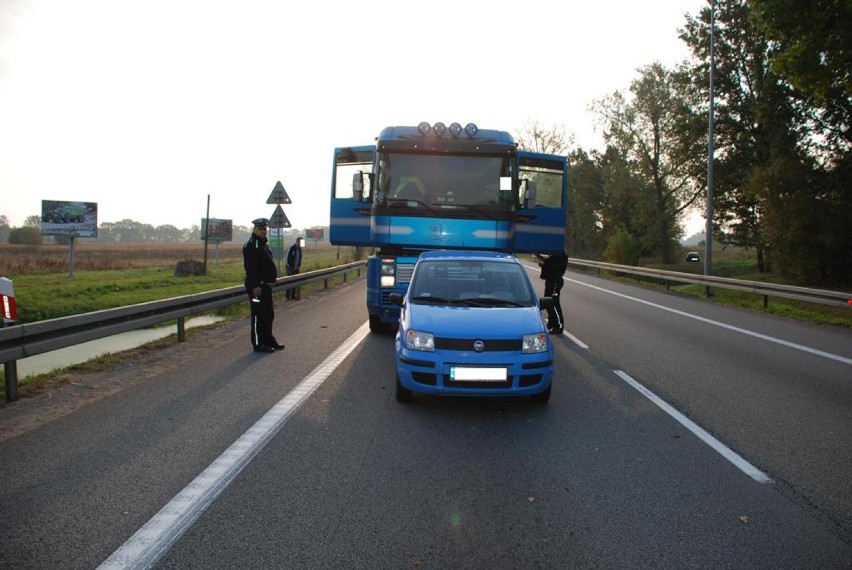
x=279, y=219
x=279, y=195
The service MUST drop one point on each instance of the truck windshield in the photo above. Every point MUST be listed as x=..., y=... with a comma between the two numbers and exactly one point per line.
x=441, y=182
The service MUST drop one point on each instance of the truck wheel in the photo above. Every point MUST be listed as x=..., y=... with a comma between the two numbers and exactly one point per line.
x=376, y=325
x=403, y=394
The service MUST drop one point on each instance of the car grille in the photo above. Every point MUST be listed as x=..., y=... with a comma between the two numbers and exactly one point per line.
x=500, y=345
x=429, y=379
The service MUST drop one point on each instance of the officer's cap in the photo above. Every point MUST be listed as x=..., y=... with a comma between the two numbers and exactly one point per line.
x=260, y=223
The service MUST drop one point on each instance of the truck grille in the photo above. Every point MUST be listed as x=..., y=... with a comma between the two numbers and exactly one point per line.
x=403, y=272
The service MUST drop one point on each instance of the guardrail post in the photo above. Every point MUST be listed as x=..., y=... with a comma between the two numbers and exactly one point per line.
x=325, y=283
x=181, y=329
x=11, y=370
x=766, y=301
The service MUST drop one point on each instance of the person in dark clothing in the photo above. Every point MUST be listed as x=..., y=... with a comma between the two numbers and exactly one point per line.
x=294, y=262
x=261, y=273
x=552, y=269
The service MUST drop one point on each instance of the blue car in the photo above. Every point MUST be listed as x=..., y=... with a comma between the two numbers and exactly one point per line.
x=470, y=325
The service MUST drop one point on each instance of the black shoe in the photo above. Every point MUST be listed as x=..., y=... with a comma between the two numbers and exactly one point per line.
x=277, y=345
x=263, y=348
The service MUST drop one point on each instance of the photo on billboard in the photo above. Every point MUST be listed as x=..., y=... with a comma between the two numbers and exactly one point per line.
x=76, y=219
x=315, y=234
x=218, y=230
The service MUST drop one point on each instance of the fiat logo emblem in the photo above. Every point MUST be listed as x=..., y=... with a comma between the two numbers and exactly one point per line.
x=478, y=346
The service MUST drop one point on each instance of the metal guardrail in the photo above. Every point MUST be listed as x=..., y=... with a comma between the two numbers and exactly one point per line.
x=833, y=298
x=30, y=339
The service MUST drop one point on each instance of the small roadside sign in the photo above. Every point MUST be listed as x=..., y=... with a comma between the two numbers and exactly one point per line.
x=279, y=195
x=8, y=308
x=278, y=219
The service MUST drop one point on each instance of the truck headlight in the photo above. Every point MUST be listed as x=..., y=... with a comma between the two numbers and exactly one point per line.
x=388, y=275
x=417, y=340
x=534, y=343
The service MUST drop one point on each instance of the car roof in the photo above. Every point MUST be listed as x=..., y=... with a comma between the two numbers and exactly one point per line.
x=467, y=255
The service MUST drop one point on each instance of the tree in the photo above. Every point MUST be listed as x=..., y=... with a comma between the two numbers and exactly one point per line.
x=535, y=137
x=4, y=228
x=26, y=235
x=813, y=51
x=585, y=232
x=771, y=192
x=658, y=134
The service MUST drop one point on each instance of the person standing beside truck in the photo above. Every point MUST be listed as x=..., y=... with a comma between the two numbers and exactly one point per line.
x=261, y=273
x=553, y=267
x=294, y=262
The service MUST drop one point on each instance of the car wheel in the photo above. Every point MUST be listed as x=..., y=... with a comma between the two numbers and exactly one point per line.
x=542, y=397
x=403, y=394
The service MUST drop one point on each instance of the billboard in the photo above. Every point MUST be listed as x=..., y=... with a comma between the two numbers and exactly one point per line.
x=78, y=219
x=220, y=230
x=315, y=234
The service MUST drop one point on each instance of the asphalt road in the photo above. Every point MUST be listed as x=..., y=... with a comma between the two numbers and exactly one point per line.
x=337, y=474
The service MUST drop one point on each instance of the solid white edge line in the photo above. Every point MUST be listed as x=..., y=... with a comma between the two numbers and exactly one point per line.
x=150, y=542
x=576, y=340
x=722, y=449
x=782, y=342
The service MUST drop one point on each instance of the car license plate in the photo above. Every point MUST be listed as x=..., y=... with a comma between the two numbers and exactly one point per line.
x=460, y=374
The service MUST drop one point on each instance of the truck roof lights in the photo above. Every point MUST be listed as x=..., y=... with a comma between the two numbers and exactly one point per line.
x=439, y=129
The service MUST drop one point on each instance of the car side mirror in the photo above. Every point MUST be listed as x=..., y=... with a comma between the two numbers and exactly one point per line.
x=545, y=303
x=396, y=299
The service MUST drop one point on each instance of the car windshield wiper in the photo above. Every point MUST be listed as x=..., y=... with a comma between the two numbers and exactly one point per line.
x=434, y=300
x=490, y=302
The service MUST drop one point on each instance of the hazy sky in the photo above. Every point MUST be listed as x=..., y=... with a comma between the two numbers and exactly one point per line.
x=148, y=106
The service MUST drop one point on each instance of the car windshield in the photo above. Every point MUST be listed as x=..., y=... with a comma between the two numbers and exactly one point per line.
x=478, y=283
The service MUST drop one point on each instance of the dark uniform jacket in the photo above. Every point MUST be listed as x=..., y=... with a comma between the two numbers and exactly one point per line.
x=258, y=262
x=554, y=266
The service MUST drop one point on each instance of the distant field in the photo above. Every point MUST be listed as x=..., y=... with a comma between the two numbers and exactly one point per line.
x=16, y=260
x=115, y=275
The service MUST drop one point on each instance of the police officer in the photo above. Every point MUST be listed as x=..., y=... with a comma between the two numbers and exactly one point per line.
x=552, y=269
x=294, y=262
x=261, y=273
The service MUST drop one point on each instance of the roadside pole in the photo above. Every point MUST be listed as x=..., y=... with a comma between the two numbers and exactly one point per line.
x=279, y=220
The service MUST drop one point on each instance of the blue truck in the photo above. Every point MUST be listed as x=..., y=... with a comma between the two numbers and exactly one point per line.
x=434, y=186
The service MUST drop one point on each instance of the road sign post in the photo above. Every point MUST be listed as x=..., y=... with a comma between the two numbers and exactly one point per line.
x=278, y=220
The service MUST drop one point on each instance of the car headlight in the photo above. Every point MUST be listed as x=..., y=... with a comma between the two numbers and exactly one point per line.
x=534, y=343
x=416, y=340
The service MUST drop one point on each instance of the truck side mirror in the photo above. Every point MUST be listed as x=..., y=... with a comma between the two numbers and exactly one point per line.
x=358, y=186
x=530, y=194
